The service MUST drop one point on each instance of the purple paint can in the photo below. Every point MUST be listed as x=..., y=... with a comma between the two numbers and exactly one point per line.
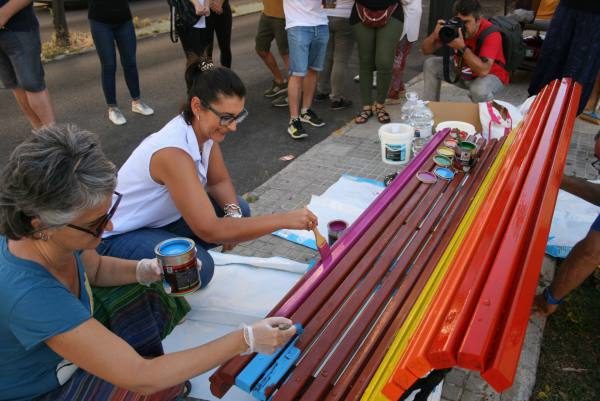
x=335, y=228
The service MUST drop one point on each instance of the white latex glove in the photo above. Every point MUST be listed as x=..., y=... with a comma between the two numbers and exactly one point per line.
x=148, y=271
x=267, y=335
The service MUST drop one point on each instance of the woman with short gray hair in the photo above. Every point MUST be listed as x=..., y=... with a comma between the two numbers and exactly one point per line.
x=56, y=200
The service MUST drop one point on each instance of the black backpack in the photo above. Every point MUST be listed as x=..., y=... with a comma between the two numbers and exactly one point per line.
x=513, y=45
x=183, y=16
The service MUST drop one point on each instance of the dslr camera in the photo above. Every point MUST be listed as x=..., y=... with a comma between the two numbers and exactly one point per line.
x=449, y=31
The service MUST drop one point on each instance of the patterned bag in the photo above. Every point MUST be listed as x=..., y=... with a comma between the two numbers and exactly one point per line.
x=375, y=18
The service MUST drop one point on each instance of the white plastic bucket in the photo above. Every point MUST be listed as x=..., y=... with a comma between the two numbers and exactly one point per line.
x=396, y=141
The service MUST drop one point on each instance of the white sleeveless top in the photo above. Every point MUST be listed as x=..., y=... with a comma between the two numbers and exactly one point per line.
x=145, y=202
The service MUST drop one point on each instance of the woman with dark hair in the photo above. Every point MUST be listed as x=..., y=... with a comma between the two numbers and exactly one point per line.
x=176, y=184
x=112, y=27
x=57, y=196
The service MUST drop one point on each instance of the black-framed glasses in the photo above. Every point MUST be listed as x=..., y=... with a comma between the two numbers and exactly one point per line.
x=226, y=119
x=98, y=227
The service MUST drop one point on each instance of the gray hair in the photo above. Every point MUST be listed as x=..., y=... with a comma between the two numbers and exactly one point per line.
x=55, y=175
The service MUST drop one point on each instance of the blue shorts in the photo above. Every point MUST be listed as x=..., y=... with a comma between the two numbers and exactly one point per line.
x=20, y=63
x=308, y=46
x=596, y=224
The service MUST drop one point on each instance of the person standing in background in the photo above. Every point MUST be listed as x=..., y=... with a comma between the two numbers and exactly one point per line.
x=412, y=20
x=220, y=21
x=21, y=67
x=111, y=23
x=339, y=49
x=194, y=39
x=271, y=25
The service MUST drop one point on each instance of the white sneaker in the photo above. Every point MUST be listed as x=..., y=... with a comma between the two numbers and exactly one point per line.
x=141, y=108
x=115, y=115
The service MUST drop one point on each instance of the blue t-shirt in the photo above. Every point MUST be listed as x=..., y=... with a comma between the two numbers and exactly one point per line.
x=34, y=307
x=23, y=20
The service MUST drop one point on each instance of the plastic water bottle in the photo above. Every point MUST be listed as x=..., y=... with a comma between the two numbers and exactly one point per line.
x=411, y=101
x=421, y=118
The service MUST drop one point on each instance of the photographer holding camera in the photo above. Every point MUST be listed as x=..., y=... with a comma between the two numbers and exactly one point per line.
x=480, y=66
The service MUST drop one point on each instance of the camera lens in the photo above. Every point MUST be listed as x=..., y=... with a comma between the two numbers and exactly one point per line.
x=448, y=33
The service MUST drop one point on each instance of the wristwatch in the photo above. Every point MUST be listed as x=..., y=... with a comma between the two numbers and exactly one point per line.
x=233, y=210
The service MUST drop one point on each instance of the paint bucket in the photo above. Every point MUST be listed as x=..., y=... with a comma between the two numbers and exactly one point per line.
x=177, y=258
x=396, y=140
x=466, y=152
x=335, y=228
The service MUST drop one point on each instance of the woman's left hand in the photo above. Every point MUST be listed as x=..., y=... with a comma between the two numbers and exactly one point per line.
x=148, y=271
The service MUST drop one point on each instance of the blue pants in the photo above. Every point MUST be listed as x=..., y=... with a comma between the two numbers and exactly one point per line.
x=105, y=36
x=140, y=243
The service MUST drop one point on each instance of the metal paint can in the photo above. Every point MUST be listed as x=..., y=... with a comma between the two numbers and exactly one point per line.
x=442, y=161
x=464, y=158
x=445, y=151
x=177, y=258
x=335, y=228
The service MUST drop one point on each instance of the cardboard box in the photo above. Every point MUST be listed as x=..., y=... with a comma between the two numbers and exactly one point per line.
x=450, y=111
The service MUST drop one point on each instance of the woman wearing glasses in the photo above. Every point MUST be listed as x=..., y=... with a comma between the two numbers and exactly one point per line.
x=175, y=183
x=56, y=199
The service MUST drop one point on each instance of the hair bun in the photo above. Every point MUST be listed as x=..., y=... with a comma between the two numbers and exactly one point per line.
x=206, y=65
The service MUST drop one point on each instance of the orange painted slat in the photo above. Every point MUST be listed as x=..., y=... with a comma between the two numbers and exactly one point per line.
x=502, y=371
x=488, y=316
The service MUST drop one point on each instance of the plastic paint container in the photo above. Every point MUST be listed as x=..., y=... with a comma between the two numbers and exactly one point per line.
x=396, y=141
x=446, y=152
x=442, y=161
x=177, y=257
x=335, y=228
x=465, y=155
x=444, y=173
x=426, y=177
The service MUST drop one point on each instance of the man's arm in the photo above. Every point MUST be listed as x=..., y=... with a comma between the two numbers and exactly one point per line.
x=480, y=67
x=582, y=188
x=432, y=42
x=8, y=10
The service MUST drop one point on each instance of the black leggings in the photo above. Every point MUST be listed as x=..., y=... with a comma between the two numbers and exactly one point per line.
x=221, y=24
x=194, y=42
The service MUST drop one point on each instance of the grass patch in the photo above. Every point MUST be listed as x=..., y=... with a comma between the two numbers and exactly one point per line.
x=570, y=355
x=79, y=41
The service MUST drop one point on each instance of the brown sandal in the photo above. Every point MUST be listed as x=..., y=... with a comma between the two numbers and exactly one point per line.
x=382, y=115
x=363, y=116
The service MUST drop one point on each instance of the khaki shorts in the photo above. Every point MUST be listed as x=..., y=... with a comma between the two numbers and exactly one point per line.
x=270, y=28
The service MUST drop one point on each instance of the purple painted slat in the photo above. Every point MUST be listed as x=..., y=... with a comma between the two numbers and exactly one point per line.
x=357, y=229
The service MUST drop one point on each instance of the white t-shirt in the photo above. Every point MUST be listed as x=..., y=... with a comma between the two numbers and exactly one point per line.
x=342, y=9
x=201, y=23
x=145, y=202
x=303, y=13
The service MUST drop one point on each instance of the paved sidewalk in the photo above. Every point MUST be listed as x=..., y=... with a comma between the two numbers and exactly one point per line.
x=355, y=149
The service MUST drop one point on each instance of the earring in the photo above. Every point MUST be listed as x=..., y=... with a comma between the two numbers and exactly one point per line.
x=41, y=235
x=197, y=117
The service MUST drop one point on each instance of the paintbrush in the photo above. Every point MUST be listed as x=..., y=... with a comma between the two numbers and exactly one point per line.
x=322, y=244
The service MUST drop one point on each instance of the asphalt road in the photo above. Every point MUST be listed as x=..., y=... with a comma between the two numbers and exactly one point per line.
x=252, y=153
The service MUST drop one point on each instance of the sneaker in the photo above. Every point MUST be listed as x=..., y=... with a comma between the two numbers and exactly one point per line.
x=115, y=115
x=296, y=130
x=321, y=97
x=281, y=101
x=312, y=118
x=276, y=89
x=141, y=108
x=340, y=104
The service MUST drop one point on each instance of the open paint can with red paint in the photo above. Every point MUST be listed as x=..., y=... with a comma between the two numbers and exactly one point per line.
x=177, y=258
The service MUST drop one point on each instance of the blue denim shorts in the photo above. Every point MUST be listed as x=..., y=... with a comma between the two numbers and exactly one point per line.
x=308, y=46
x=596, y=224
x=20, y=63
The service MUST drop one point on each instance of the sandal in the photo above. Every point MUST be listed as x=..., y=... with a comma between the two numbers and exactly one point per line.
x=382, y=115
x=363, y=116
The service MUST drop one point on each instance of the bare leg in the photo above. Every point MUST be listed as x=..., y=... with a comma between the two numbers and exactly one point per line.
x=42, y=106
x=271, y=64
x=583, y=259
x=309, y=85
x=23, y=103
x=286, y=61
x=295, y=84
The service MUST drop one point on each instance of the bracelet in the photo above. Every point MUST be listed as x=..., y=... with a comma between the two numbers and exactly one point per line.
x=233, y=210
x=549, y=297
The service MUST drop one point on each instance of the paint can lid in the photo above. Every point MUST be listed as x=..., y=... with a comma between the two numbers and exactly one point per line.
x=444, y=173
x=426, y=177
x=445, y=151
x=442, y=161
